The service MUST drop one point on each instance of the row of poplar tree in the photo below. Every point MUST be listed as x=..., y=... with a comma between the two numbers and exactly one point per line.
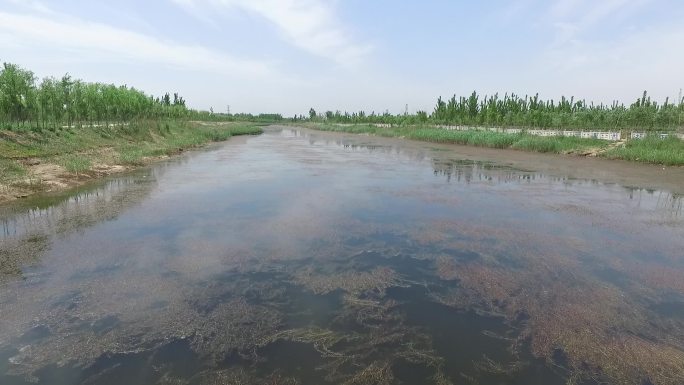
x=50, y=103
x=512, y=110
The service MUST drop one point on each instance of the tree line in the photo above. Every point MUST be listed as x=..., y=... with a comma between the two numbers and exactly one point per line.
x=26, y=102
x=52, y=102
x=513, y=110
x=56, y=102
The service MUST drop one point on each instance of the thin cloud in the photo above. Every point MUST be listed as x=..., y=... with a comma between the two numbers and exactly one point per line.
x=32, y=5
x=92, y=39
x=573, y=18
x=310, y=25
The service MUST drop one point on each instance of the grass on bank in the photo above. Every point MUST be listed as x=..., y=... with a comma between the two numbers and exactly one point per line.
x=75, y=163
x=478, y=138
x=652, y=149
x=668, y=151
x=78, y=149
x=11, y=171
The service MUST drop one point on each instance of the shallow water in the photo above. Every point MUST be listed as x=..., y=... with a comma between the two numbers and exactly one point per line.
x=300, y=257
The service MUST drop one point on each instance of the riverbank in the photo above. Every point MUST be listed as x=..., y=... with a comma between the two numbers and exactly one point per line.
x=52, y=160
x=654, y=150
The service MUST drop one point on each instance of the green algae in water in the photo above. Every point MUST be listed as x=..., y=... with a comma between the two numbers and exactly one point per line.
x=343, y=263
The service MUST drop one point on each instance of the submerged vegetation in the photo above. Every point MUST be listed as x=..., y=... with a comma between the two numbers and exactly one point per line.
x=569, y=317
x=423, y=290
x=405, y=299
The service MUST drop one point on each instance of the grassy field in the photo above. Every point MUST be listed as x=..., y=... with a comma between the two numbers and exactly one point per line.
x=78, y=151
x=649, y=150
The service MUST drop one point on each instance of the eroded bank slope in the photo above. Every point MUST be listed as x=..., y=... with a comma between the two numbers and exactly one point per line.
x=52, y=160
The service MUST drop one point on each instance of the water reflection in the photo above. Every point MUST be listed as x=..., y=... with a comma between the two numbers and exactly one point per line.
x=29, y=228
x=369, y=260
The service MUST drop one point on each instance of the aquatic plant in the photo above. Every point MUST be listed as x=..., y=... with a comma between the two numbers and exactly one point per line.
x=354, y=282
x=599, y=332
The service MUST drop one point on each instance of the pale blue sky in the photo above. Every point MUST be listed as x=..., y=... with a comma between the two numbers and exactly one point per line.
x=288, y=55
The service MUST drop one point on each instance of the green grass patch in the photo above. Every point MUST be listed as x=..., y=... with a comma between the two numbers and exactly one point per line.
x=480, y=138
x=11, y=170
x=75, y=163
x=163, y=136
x=557, y=144
x=133, y=155
x=75, y=149
x=669, y=151
x=245, y=129
x=471, y=137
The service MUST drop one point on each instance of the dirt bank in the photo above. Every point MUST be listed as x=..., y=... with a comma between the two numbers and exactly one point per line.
x=43, y=162
x=45, y=176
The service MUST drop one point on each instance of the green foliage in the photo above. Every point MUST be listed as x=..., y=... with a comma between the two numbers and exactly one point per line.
x=669, y=151
x=512, y=110
x=245, y=129
x=133, y=155
x=558, y=145
x=208, y=116
x=11, y=170
x=470, y=137
x=653, y=149
x=56, y=103
x=75, y=163
x=131, y=144
x=480, y=138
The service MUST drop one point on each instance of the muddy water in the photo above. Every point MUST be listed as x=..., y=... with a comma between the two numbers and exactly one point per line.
x=298, y=257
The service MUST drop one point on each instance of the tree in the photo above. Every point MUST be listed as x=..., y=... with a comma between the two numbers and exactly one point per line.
x=422, y=116
x=16, y=91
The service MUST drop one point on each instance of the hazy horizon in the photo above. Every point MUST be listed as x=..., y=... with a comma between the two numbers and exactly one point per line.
x=289, y=55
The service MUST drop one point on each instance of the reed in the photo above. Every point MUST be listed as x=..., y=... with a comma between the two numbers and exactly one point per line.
x=652, y=149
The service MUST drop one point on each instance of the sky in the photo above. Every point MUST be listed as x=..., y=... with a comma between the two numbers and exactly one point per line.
x=286, y=56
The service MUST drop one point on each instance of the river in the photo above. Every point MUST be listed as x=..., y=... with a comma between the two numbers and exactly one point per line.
x=301, y=257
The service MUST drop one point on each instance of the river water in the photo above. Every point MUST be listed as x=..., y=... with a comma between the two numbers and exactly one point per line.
x=298, y=257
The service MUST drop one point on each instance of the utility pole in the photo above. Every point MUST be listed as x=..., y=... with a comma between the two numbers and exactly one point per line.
x=228, y=109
